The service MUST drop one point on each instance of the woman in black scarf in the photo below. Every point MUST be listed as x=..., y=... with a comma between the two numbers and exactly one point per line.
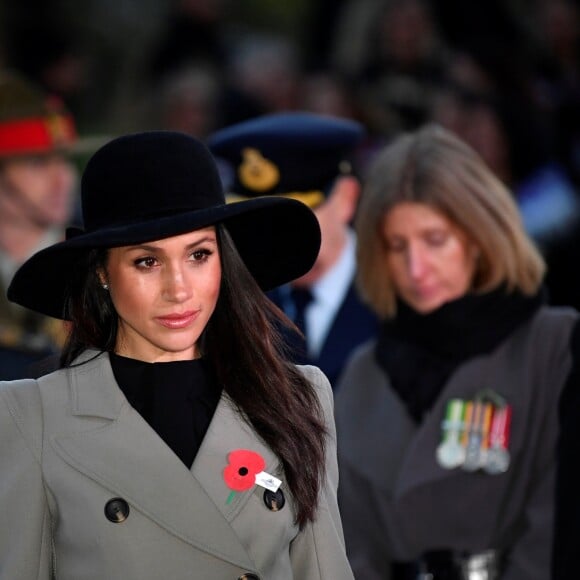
x=447, y=422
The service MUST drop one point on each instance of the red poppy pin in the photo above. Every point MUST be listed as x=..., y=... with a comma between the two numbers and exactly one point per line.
x=245, y=468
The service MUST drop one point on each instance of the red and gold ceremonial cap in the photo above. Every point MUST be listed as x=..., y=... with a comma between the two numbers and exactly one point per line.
x=31, y=121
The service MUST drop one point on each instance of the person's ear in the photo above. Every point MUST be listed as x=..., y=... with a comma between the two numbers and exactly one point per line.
x=345, y=194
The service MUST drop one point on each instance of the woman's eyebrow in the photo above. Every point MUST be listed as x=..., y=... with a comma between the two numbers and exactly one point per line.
x=153, y=248
x=204, y=240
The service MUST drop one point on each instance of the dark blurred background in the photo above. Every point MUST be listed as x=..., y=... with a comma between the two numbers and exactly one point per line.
x=503, y=74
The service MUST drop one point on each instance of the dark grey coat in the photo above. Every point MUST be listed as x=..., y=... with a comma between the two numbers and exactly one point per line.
x=397, y=502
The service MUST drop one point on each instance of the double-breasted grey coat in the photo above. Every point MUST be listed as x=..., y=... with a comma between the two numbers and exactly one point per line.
x=70, y=442
x=398, y=502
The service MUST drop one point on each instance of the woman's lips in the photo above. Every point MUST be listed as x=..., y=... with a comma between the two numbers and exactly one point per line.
x=425, y=291
x=178, y=320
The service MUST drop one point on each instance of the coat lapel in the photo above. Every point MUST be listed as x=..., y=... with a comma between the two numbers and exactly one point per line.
x=126, y=456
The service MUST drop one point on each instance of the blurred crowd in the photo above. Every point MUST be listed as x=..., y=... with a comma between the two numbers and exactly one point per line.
x=502, y=75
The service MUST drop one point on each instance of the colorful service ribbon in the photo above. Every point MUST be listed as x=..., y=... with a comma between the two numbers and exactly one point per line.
x=475, y=434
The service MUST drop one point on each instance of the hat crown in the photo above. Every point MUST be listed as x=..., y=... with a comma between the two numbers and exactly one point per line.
x=146, y=176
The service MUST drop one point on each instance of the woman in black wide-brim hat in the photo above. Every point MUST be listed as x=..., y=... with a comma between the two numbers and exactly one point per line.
x=176, y=441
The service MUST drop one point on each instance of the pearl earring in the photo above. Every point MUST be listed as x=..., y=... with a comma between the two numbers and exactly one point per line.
x=105, y=286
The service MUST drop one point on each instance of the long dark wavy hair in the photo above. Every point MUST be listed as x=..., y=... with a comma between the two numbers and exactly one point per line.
x=243, y=346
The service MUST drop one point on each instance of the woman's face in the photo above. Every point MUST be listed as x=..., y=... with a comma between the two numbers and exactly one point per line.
x=164, y=293
x=430, y=260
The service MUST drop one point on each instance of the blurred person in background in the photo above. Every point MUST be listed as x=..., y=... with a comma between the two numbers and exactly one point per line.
x=556, y=24
x=191, y=32
x=187, y=100
x=327, y=94
x=37, y=185
x=264, y=74
x=447, y=419
x=308, y=157
x=399, y=60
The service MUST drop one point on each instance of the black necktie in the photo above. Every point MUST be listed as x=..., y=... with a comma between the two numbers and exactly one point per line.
x=301, y=297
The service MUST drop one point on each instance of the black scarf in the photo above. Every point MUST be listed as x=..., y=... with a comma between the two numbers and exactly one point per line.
x=420, y=352
x=178, y=399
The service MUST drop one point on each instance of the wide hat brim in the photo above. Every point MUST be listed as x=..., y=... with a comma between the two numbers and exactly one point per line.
x=278, y=239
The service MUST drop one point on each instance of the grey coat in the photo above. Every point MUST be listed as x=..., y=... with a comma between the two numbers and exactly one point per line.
x=395, y=499
x=70, y=442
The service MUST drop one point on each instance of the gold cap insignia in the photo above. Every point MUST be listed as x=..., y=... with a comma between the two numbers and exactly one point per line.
x=60, y=129
x=256, y=172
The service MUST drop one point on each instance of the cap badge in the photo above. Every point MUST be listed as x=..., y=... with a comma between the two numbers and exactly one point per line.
x=256, y=172
x=59, y=128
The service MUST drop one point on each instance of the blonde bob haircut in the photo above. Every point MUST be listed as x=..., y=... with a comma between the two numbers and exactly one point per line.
x=433, y=167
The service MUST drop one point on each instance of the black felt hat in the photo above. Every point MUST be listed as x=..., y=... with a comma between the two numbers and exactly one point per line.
x=294, y=154
x=154, y=185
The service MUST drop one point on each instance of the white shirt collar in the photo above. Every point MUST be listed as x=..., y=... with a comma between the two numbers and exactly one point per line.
x=329, y=293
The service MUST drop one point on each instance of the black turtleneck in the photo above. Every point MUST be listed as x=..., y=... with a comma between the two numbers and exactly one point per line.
x=178, y=399
x=419, y=352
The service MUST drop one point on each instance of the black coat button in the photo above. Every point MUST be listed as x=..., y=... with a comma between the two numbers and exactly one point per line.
x=274, y=500
x=248, y=576
x=117, y=510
